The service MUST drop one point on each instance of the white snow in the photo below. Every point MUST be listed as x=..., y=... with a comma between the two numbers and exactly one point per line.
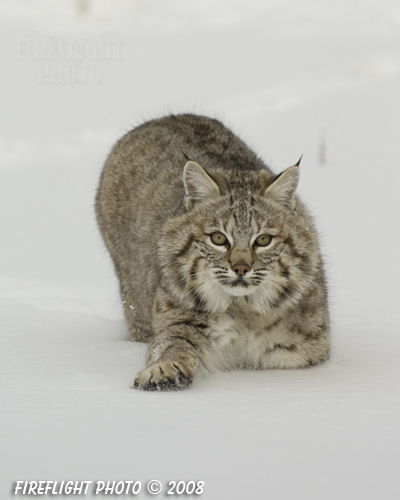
x=318, y=78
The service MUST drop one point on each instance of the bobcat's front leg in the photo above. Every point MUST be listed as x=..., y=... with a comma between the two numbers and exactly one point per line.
x=173, y=370
x=176, y=353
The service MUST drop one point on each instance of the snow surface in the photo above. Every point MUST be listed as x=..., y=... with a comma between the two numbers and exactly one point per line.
x=318, y=78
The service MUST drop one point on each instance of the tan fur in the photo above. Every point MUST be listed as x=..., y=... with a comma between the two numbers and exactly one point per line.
x=181, y=293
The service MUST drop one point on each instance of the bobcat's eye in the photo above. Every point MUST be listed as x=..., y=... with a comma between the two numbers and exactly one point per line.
x=263, y=240
x=218, y=238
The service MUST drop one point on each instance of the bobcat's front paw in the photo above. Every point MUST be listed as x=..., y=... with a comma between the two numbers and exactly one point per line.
x=163, y=376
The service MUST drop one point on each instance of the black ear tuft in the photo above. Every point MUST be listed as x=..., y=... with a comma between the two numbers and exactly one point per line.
x=298, y=163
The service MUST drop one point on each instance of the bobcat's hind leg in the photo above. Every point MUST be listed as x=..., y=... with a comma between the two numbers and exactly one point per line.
x=139, y=330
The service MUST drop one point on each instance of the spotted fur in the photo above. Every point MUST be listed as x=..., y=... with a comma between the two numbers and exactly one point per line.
x=166, y=187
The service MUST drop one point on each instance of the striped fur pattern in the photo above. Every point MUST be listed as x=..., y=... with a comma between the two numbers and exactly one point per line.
x=217, y=258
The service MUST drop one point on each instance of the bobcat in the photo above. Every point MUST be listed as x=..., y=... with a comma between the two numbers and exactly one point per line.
x=217, y=258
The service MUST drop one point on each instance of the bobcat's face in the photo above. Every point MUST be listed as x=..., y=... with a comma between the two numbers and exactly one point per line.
x=240, y=251
x=247, y=250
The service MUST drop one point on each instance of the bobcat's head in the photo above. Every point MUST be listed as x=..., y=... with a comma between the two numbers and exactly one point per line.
x=242, y=235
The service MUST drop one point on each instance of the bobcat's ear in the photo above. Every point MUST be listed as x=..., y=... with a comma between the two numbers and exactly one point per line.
x=284, y=186
x=198, y=184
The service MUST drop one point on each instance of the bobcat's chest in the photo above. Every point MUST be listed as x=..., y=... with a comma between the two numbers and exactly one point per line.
x=245, y=341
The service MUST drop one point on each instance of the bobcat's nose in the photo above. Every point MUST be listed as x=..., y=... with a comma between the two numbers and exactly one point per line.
x=241, y=268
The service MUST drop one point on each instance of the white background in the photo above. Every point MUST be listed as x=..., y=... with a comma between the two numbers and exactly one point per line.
x=313, y=77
